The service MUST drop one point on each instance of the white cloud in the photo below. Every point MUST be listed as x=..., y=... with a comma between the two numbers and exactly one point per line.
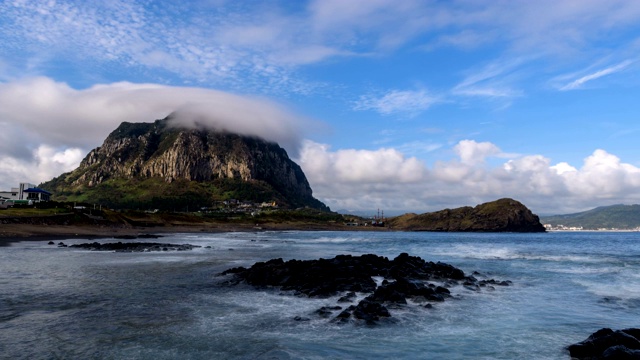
x=60, y=115
x=359, y=166
x=410, y=102
x=578, y=83
x=39, y=114
x=46, y=163
x=472, y=152
x=604, y=176
x=385, y=178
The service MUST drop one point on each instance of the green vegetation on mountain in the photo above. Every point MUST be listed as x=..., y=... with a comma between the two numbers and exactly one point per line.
x=68, y=214
x=604, y=217
x=179, y=195
x=504, y=215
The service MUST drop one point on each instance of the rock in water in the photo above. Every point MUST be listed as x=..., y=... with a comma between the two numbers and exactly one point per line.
x=134, y=247
x=160, y=165
x=405, y=277
x=608, y=344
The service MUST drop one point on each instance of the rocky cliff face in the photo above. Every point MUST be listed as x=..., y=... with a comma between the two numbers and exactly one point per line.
x=504, y=215
x=138, y=151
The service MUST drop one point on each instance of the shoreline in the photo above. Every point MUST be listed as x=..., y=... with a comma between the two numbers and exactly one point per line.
x=11, y=233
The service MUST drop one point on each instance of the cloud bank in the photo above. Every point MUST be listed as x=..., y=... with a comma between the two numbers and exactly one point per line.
x=47, y=125
x=386, y=179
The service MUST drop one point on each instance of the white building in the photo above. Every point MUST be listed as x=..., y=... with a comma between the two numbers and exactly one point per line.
x=26, y=191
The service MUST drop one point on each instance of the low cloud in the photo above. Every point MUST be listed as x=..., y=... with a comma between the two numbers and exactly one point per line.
x=40, y=113
x=385, y=178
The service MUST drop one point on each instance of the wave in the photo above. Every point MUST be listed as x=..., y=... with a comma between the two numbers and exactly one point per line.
x=506, y=253
x=624, y=287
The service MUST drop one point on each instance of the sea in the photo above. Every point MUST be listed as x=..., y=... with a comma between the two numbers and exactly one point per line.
x=66, y=303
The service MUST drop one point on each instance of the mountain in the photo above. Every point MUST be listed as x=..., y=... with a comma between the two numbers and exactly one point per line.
x=607, y=217
x=161, y=165
x=504, y=215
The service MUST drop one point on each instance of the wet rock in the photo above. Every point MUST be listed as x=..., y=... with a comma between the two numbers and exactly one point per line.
x=51, y=243
x=370, y=311
x=328, y=277
x=608, y=344
x=405, y=277
x=348, y=297
x=327, y=311
x=483, y=283
x=134, y=247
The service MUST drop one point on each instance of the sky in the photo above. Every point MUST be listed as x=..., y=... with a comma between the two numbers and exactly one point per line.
x=398, y=105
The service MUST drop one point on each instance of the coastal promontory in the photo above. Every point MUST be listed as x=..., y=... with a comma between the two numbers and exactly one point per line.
x=503, y=215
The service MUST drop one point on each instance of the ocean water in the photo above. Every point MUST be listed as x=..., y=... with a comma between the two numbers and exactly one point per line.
x=62, y=303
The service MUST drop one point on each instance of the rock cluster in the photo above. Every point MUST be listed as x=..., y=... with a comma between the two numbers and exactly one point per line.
x=608, y=344
x=405, y=277
x=134, y=247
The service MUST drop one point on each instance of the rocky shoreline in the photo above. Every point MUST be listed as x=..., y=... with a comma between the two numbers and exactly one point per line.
x=10, y=233
x=401, y=279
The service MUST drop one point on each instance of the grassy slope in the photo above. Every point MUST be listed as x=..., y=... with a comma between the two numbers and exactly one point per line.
x=37, y=218
x=180, y=195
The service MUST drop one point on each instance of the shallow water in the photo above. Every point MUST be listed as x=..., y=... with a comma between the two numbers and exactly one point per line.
x=66, y=303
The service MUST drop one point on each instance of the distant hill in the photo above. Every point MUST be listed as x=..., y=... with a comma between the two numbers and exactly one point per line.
x=609, y=217
x=161, y=165
x=504, y=215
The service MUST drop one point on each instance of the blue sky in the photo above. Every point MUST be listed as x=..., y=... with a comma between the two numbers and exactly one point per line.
x=400, y=105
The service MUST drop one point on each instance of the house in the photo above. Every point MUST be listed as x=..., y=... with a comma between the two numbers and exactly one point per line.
x=37, y=195
x=26, y=191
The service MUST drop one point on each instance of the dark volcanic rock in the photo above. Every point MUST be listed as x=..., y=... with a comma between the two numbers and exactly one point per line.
x=405, y=277
x=327, y=311
x=608, y=344
x=134, y=247
x=328, y=277
x=370, y=311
